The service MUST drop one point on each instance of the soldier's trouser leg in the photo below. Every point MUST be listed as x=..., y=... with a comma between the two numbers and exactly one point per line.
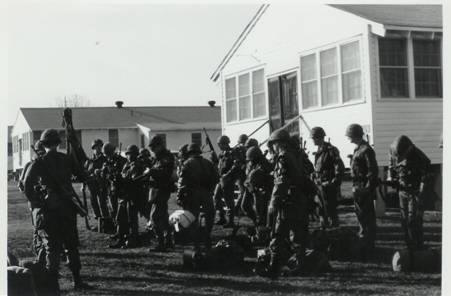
x=94, y=193
x=261, y=200
x=299, y=225
x=279, y=240
x=366, y=215
x=114, y=203
x=411, y=219
x=218, y=200
x=241, y=195
x=160, y=214
x=331, y=193
x=228, y=191
x=247, y=206
x=209, y=212
x=133, y=217
x=103, y=205
x=122, y=219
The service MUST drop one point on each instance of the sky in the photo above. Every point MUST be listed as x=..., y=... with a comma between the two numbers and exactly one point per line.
x=143, y=54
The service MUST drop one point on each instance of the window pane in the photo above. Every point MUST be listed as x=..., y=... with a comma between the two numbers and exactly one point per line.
x=428, y=83
x=309, y=94
x=350, y=56
x=329, y=90
x=243, y=82
x=113, y=137
x=394, y=83
x=258, y=81
x=308, y=67
x=426, y=52
x=231, y=110
x=259, y=105
x=230, y=88
x=392, y=52
x=289, y=96
x=328, y=60
x=245, y=107
x=352, y=88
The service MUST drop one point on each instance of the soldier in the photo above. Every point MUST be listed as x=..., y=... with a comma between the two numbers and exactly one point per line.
x=259, y=184
x=40, y=151
x=240, y=159
x=162, y=183
x=55, y=217
x=364, y=173
x=198, y=177
x=409, y=169
x=96, y=186
x=228, y=171
x=251, y=142
x=111, y=172
x=143, y=203
x=329, y=170
x=127, y=214
x=287, y=207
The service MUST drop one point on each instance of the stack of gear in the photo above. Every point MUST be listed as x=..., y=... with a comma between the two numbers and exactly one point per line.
x=428, y=260
x=338, y=243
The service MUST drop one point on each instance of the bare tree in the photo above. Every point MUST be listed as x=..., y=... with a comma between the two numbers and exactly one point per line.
x=74, y=100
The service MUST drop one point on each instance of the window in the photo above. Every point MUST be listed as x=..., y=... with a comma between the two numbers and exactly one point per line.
x=196, y=138
x=163, y=137
x=231, y=99
x=393, y=67
x=338, y=72
x=427, y=65
x=113, y=137
x=350, y=71
x=143, y=144
x=245, y=96
x=10, y=149
x=329, y=76
x=258, y=93
x=309, y=81
x=410, y=65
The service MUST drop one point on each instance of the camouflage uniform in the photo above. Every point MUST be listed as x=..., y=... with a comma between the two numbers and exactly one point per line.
x=364, y=172
x=409, y=167
x=329, y=170
x=97, y=186
x=198, y=177
x=162, y=185
x=55, y=219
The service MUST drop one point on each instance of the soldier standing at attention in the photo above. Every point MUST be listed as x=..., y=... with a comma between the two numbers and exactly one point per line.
x=162, y=183
x=93, y=167
x=286, y=207
x=364, y=174
x=329, y=170
x=198, y=178
x=228, y=171
x=409, y=168
x=55, y=217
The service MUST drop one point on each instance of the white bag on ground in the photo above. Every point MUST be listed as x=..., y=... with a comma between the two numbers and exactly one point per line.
x=419, y=261
x=181, y=219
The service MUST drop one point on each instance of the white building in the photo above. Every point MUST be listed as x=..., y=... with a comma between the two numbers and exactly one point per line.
x=119, y=126
x=10, y=149
x=376, y=65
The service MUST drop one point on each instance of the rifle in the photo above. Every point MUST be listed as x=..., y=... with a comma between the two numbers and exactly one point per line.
x=75, y=150
x=214, y=156
x=286, y=125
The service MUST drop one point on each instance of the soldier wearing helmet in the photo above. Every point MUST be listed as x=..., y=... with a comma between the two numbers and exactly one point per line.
x=258, y=184
x=127, y=215
x=55, y=217
x=96, y=186
x=408, y=168
x=251, y=142
x=198, y=178
x=240, y=159
x=110, y=174
x=228, y=170
x=329, y=170
x=364, y=173
x=162, y=183
x=287, y=203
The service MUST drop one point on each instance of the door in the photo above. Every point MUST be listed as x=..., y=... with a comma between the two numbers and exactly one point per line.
x=283, y=102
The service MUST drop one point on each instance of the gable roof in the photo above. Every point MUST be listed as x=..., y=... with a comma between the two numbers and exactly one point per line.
x=125, y=117
x=427, y=16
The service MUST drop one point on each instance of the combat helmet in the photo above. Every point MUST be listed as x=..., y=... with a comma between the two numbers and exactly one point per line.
x=50, y=137
x=108, y=148
x=253, y=153
x=194, y=149
x=132, y=150
x=223, y=140
x=144, y=152
x=279, y=136
x=242, y=139
x=251, y=142
x=354, y=131
x=39, y=147
x=156, y=141
x=317, y=132
x=96, y=143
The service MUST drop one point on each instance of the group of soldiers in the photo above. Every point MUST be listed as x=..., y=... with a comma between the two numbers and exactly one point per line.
x=275, y=190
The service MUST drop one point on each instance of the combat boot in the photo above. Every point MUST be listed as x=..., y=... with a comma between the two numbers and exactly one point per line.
x=272, y=271
x=160, y=247
x=79, y=284
x=119, y=244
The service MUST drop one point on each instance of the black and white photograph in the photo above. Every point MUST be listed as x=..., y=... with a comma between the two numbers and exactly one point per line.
x=224, y=148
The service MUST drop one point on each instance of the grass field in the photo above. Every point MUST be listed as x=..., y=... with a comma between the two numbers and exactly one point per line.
x=138, y=272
